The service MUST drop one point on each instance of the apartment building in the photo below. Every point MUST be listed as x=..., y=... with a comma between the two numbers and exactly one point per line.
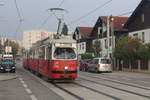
x=32, y=36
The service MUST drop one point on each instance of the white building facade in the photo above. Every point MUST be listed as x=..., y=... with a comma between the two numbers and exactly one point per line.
x=143, y=35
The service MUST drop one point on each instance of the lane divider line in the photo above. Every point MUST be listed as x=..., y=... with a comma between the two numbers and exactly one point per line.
x=33, y=97
x=22, y=82
x=28, y=91
x=25, y=85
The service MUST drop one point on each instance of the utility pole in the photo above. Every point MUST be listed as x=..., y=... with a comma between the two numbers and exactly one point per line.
x=113, y=39
x=108, y=33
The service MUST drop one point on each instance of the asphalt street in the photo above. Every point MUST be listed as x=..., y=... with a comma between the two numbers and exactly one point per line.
x=88, y=86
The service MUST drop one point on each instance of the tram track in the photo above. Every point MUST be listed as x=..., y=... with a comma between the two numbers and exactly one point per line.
x=126, y=78
x=91, y=89
x=79, y=97
x=65, y=90
x=118, y=82
x=94, y=90
x=116, y=88
x=46, y=84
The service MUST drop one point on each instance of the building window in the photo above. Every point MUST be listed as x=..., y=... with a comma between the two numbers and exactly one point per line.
x=106, y=44
x=143, y=36
x=135, y=35
x=110, y=41
x=142, y=17
x=100, y=32
x=82, y=46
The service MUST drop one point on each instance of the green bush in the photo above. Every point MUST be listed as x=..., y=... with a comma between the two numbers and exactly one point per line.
x=87, y=56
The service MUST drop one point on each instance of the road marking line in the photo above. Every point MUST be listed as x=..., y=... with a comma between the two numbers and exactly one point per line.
x=22, y=82
x=56, y=90
x=33, y=97
x=20, y=79
x=28, y=91
x=25, y=85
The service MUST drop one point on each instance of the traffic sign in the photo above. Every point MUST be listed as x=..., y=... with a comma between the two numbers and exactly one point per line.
x=109, y=50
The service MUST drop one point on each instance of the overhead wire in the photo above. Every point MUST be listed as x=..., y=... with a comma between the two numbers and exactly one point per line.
x=46, y=20
x=87, y=14
x=61, y=3
x=1, y=3
x=20, y=18
x=126, y=13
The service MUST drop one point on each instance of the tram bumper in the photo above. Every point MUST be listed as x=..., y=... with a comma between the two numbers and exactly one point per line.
x=64, y=74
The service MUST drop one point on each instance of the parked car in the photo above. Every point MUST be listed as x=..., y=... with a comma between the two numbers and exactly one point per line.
x=85, y=64
x=7, y=66
x=101, y=64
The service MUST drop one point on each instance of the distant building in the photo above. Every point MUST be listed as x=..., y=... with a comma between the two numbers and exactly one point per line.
x=82, y=36
x=32, y=36
x=3, y=40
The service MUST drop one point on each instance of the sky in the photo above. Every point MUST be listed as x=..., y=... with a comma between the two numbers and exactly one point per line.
x=34, y=14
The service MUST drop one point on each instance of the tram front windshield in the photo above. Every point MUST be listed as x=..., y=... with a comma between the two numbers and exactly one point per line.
x=64, y=53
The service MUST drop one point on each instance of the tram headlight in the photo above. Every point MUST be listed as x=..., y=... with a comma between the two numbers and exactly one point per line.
x=66, y=67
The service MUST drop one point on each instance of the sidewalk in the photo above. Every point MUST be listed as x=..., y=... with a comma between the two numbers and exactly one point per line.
x=7, y=76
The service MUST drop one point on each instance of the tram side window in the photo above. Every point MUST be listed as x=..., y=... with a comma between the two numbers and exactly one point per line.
x=33, y=54
x=30, y=54
x=42, y=53
x=48, y=52
x=36, y=54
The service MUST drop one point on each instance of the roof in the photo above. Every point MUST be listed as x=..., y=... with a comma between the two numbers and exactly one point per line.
x=135, y=12
x=118, y=21
x=47, y=41
x=86, y=31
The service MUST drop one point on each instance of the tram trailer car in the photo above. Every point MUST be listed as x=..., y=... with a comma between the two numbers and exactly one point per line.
x=25, y=60
x=55, y=59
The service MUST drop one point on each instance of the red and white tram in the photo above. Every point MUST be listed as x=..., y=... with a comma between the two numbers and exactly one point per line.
x=53, y=58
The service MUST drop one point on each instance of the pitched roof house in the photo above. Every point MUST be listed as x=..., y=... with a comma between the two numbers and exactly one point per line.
x=103, y=32
x=138, y=23
x=102, y=25
x=82, y=35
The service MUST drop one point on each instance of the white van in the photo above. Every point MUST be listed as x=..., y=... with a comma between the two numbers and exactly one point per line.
x=101, y=64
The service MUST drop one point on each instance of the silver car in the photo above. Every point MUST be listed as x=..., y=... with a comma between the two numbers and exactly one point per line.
x=101, y=65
